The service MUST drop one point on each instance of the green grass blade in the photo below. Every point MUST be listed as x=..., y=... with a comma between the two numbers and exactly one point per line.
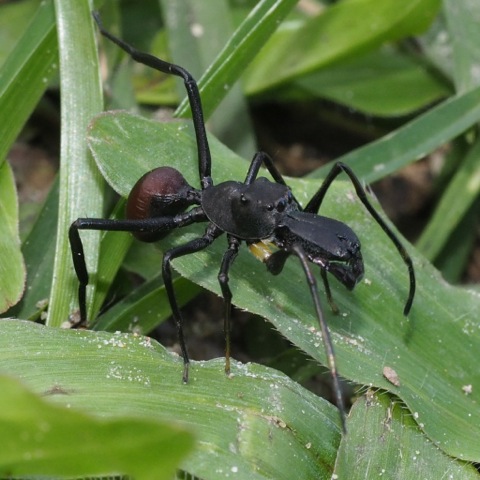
x=233, y=418
x=25, y=75
x=12, y=268
x=14, y=18
x=146, y=307
x=464, y=187
x=459, y=248
x=458, y=197
x=242, y=47
x=414, y=140
x=81, y=186
x=39, y=257
x=392, y=446
x=231, y=124
x=113, y=248
x=431, y=350
x=462, y=20
x=37, y=439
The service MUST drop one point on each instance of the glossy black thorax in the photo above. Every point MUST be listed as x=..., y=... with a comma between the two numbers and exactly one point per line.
x=248, y=212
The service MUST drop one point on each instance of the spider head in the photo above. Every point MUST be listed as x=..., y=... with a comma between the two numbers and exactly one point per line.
x=258, y=208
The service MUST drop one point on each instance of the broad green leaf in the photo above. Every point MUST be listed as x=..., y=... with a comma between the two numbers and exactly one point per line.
x=334, y=35
x=431, y=350
x=366, y=84
x=81, y=185
x=12, y=268
x=41, y=438
x=392, y=446
x=129, y=375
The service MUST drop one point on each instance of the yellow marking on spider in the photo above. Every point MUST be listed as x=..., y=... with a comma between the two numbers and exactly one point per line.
x=260, y=250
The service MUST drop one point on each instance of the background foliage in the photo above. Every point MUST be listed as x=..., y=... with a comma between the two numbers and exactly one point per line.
x=414, y=68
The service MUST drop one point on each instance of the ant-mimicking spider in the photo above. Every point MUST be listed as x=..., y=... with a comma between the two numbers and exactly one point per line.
x=257, y=211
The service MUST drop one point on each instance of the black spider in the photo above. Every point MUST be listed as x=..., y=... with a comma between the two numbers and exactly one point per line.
x=257, y=211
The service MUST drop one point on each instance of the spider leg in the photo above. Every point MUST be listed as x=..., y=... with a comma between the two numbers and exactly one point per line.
x=155, y=224
x=276, y=261
x=204, y=157
x=327, y=340
x=193, y=246
x=316, y=201
x=228, y=259
x=256, y=163
x=258, y=159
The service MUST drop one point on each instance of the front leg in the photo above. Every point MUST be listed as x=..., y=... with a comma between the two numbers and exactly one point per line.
x=258, y=159
x=276, y=261
x=153, y=225
x=316, y=201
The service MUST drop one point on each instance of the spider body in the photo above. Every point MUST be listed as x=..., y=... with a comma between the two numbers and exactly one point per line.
x=250, y=212
x=258, y=212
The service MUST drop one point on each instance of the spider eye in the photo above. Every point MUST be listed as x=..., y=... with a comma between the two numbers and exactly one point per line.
x=281, y=205
x=269, y=207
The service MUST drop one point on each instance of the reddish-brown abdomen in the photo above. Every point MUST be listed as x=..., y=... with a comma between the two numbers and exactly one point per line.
x=160, y=192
